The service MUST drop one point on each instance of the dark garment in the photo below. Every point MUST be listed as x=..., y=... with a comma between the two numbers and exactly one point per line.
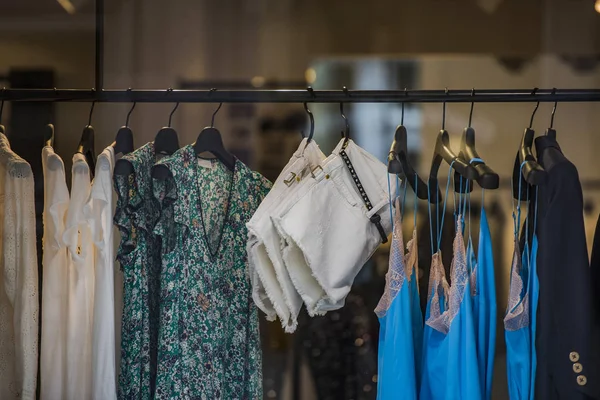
x=567, y=331
x=341, y=349
x=595, y=269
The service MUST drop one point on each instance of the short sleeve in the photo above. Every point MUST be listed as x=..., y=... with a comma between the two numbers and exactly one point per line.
x=165, y=198
x=126, y=196
x=263, y=185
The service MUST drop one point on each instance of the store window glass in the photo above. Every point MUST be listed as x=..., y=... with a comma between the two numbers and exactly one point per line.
x=290, y=44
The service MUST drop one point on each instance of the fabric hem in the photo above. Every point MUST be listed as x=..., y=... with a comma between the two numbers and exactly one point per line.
x=312, y=310
x=268, y=290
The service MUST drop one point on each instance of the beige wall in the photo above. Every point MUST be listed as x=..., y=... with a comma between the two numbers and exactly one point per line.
x=69, y=54
x=153, y=44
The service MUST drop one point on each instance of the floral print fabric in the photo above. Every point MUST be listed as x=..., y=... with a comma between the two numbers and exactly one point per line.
x=139, y=255
x=209, y=345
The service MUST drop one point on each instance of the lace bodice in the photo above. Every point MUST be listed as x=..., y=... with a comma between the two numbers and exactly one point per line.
x=400, y=267
x=517, y=310
x=447, y=299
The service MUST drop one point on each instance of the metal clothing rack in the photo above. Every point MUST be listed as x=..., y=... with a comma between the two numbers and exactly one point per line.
x=302, y=96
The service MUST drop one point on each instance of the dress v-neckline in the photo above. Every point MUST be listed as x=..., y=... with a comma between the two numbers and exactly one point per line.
x=232, y=182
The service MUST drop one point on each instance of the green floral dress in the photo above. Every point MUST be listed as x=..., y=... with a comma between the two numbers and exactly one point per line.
x=209, y=345
x=136, y=215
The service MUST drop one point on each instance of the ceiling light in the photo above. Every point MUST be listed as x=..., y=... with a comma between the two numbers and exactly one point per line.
x=258, y=81
x=597, y=6
x=310, y=75
x=67, y=5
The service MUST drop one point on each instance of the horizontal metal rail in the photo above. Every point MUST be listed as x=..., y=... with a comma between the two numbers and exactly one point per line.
x=302, y=96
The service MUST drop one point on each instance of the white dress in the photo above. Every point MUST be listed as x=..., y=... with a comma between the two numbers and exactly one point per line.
x=18, y=278
x=78, y=238
x=53, y=357
x=99, y=211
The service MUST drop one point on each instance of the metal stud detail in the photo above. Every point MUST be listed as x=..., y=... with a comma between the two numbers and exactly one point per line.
x=357, y=182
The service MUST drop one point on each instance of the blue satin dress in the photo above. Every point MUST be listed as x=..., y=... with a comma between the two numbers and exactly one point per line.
x=484, y=305
x=401, y=322
x=520, y=319
x=450, y=368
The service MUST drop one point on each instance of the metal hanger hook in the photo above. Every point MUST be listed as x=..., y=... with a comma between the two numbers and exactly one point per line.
x=310, y=116
x=444, y=112
x=91, y=113
x=312, y=121
x=472, y=104
x=553, y=110
x=2, y=105
x=50, y=110
x=212, y=120
x=347, y=131
x=402, y=117
x=535, y=109
x=129, y=114
x=172, y=112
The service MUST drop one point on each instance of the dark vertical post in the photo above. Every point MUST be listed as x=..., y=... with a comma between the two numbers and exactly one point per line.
x=99, y=81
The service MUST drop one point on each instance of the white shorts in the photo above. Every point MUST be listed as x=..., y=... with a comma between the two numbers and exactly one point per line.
x=272, y=289
x=326, y=228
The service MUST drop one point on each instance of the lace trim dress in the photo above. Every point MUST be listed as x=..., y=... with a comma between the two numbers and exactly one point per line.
x=400, y=319
x=19, y=305
x=450, y=368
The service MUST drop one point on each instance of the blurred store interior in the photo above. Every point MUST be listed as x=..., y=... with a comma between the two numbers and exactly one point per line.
x=262, y=44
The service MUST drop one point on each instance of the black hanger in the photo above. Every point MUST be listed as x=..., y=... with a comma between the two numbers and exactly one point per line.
x=443, y=152
x=86, y=143
x=551, y=132
x=124, y=140
x=399, y=144
x=533, y=173
x=124, y=144
x=487, y=178
x=209, y=140
x=398, y=162
x=166, y=141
